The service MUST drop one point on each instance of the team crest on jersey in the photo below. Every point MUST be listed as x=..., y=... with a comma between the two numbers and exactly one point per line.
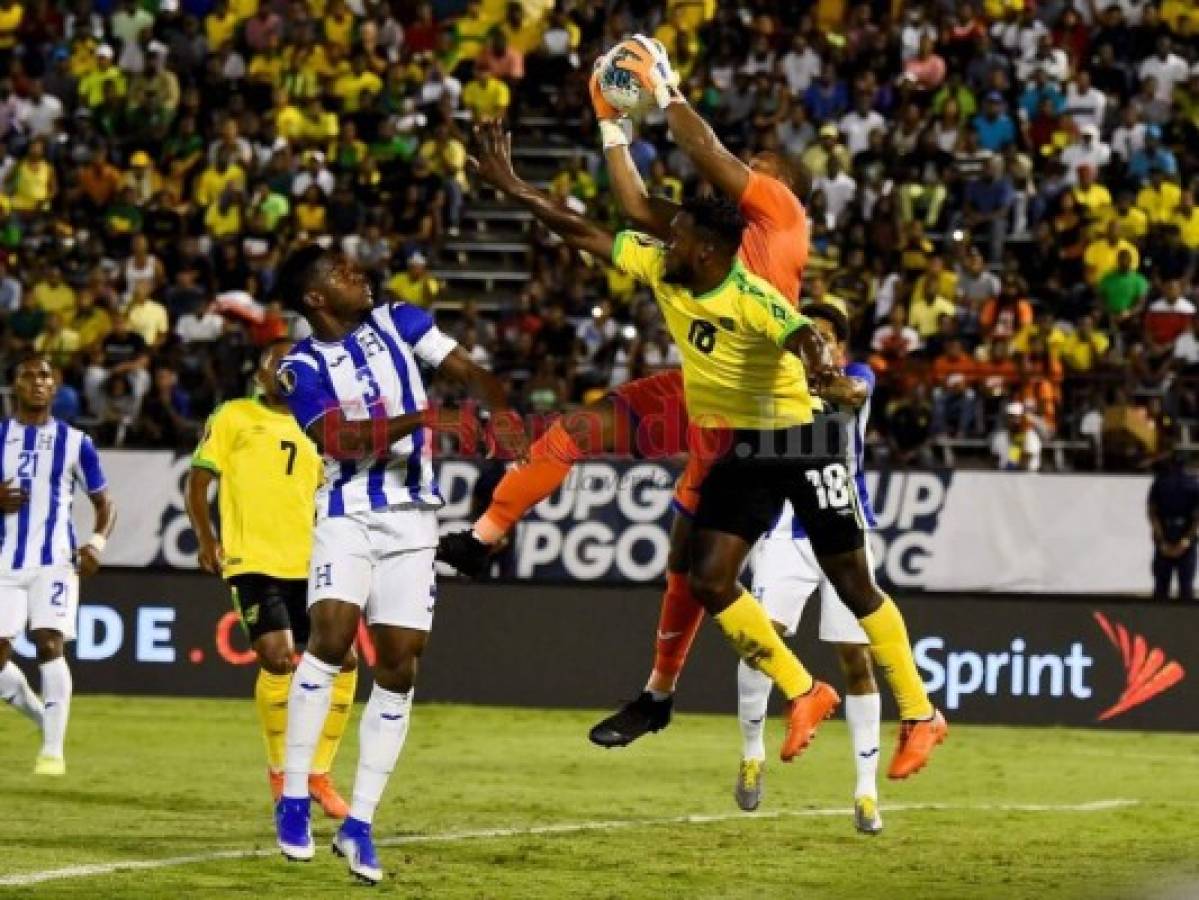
x=287, y=380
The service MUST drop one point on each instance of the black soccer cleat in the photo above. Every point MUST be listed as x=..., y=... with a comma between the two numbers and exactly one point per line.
x=465, y=553
x=635, y=719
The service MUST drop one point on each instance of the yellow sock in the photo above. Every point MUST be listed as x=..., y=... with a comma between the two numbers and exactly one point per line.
x=892, y=653
x=335, y=723
x=752, y=635
x=270, y=696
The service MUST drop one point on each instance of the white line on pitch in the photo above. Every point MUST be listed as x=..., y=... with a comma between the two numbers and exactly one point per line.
x=137, y=865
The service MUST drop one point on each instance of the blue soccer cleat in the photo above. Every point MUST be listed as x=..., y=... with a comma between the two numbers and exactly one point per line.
x=353, y=841
x=293, y=828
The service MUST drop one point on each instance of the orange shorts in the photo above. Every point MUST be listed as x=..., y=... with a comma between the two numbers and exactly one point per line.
x=657, y=409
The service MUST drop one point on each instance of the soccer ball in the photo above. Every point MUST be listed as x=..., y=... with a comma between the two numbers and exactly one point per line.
x=621, y=87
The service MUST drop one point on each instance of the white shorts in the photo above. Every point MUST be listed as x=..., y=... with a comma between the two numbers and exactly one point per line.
x=40, y=598
x=381, y=561
x=786, y=574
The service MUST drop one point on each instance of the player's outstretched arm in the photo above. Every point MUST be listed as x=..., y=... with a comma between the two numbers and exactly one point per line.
x=507, y=429
x=649, y=214
x=694, y=136
x=493, y=163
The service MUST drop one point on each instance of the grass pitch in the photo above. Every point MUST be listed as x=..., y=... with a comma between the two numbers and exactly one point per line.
x=516, y=803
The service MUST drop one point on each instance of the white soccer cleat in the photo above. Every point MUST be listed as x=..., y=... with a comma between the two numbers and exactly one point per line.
x=866, y=817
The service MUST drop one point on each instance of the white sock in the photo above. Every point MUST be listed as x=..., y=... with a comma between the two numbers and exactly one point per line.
x=307, y=707
x=16, y=692
x=381, y=735
x=753, y=693
x=56, y=698
x=862, y=713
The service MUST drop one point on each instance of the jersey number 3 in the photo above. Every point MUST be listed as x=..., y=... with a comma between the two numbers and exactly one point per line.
x=702, y=336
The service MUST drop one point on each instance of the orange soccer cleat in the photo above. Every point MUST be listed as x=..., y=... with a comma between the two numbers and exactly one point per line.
x=916, y=743
x=321, y=789
x=804, y=717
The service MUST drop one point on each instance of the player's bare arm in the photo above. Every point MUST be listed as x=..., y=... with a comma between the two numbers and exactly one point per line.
x=695, y=137
x=195, y=497
x=492, y=162
x=342, y=438
x=106, y=518
x=645, y=213
x=510, y=437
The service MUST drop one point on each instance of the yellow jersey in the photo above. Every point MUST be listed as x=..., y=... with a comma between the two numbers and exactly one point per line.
x=736, y=373
x=269, y=471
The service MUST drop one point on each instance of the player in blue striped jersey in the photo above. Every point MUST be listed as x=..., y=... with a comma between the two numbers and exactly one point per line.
x=42, y=461
x=787, y=574
x=356, y=390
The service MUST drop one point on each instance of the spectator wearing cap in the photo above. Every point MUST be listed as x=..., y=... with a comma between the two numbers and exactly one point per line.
x=1152, y=156
x=142, y=178
x=816, y=158
x=995, y=128
x=97, y=84
x=1016, y=446
x=1087, y=150
x=415, y=284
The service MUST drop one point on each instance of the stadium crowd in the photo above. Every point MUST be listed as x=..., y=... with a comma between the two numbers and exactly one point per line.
x=1002, y=195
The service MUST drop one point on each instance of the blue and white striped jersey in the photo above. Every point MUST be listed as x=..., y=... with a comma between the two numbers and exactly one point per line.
x=786, y=526
x=370, y=374
x=48, y=462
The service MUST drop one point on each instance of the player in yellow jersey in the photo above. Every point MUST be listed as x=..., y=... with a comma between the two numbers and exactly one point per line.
x=746, y=359
x=267, y=472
